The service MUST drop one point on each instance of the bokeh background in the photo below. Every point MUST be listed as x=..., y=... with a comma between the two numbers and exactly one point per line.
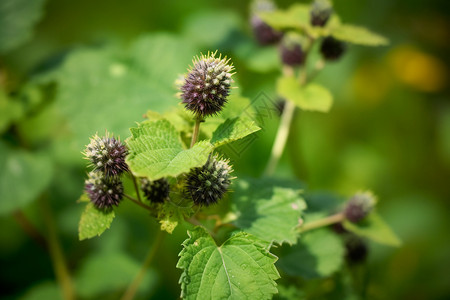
x=71, y=68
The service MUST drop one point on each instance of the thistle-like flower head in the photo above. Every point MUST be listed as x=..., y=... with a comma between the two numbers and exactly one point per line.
x=207, y=85
x=264, y=33
x=321, y=11
x=104, y=192
x=331, y=48
x=359, y=206
x=107, y=155
x=292, y=49
x=155, y=190
x=206, y=185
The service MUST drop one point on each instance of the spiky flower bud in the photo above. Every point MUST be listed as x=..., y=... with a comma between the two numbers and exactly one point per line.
x=321, y=11
x=155, y=190
x=207, y=85
x=293, y=49
x=104, y=192
x=264, y=33
x=206, y=185
x=107, y=155
x=331, y=48
x=359, y=206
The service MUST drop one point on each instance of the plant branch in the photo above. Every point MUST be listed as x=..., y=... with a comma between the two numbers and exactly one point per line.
x=198, y=120
x=56, y=253
x=30, y=229
x=133, y=287
x=336, y=218
x=135, y=186
x=138, y=202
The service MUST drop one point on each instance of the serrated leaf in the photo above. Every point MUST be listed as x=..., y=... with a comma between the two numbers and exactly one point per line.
x=318, y=253
x=269, y=212
x=232, y=130
x=375, y=228
x=24, y=176
x=17, y=18
x=312, y=96
x=358, y=35
x=155, y=151
x=241, y=268
x=94, y=222
x=109, y=272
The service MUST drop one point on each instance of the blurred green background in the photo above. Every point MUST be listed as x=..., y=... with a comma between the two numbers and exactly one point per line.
x=71, y=68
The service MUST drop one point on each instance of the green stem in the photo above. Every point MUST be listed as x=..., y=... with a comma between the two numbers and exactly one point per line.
x=138, y=202
x=339, y=217
x=56, y=253
x=29, y=228
x=133, y=287
x=135, y=186
x=198, y=120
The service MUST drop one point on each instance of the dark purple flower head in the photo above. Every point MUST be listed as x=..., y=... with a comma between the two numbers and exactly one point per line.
x=321, y=11
x=104, y=192
x=359, y=206
x=264, y=33
x=292, y=50
x=206, y=185
x=107, y=154
x=207, y=85
x=356, y=249
x=155, y=190
x=331, y=48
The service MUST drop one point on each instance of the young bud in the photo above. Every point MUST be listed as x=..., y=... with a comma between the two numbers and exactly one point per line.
x=264, y=34
x=331, y=48
x=207, y=85
x=356, y=249
x=107, y=155
x=293, y=49
x=359, y=206
x=104, y=192
x=321, y=11
x=206, y=185
x=155, y=191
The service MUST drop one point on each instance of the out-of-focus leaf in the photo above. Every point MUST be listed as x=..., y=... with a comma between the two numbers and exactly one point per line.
x=45, y=290
x=318, y=253
x=267, y=211
x=23, y=177
x=109, y=272
x=309, y=97
x=94, y=222
x=17, y=18
x=170, y=215
x=375, y=228
x=241, y=268
x=358, y=35
x=10, y=111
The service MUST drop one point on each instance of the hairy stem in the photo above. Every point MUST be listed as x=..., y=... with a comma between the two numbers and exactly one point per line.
x=29, y=228
x=339, y=217
x=130, y=293
x=138, y=202
x=198, y=120
x=135, y=186
x=56, y=253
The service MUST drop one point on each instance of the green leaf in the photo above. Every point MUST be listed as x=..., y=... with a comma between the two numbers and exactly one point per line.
x=155, y=151
x=10, y=111
x=241, y=268
x=170, y=215
x=375, y=228
x=45, y=290
x=23, y=177
x=108, y=273
x=309, y=97
x=232, y=130
x=358, y=35
x=17, y=18
x=270, y=212
x=318, y=253
x=95, y=84
x=94, y=222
